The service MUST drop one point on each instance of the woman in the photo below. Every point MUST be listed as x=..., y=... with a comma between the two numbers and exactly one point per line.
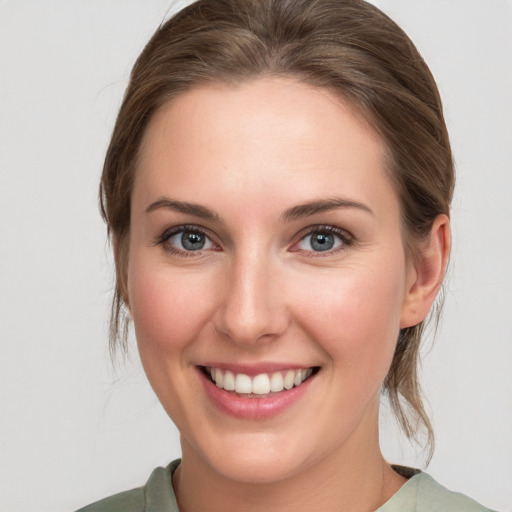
x=277, y=189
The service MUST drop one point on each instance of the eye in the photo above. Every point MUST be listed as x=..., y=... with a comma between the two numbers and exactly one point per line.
x=185, y=239
x=324, y=239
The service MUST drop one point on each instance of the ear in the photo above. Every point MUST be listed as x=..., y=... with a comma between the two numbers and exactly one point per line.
x=426, y=274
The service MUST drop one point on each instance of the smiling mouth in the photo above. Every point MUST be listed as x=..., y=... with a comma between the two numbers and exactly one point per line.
x=261, y=385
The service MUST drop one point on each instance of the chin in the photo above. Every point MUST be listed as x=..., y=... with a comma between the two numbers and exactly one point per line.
x=256, y=470
x=254, y=458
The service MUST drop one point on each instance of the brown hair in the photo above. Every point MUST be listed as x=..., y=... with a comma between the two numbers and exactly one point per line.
x=347, y=46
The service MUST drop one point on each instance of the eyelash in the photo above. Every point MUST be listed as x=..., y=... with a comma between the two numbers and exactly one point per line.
x=344, y=237
x=168, y=234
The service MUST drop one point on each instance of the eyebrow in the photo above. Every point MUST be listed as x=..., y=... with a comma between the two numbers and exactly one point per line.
x=296, y=212
x=194, y=209
x=321, y=206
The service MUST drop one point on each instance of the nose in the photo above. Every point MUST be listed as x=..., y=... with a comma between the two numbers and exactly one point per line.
x=252, y=307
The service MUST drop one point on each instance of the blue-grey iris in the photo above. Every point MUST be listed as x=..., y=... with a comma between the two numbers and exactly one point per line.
x=192, y=241
x=322, y=241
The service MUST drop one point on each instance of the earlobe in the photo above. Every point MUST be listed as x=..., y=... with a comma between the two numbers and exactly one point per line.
x=427, y=275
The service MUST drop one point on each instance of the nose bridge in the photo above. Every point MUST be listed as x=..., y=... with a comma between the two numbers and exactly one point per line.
x=252, y=307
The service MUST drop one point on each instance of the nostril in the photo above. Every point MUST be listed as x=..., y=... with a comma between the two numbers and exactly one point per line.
x=245, y=329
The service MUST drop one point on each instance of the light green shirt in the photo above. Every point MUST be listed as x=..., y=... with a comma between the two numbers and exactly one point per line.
x=421, y=493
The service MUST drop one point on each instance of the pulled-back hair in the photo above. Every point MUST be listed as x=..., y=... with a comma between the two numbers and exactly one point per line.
x=346, y=46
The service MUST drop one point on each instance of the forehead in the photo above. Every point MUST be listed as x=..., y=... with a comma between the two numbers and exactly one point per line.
x=266, y=137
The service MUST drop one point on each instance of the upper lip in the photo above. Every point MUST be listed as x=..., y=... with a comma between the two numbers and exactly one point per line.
x=253, y=369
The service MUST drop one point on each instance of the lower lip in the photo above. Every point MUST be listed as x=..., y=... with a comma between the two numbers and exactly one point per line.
x=253, y=408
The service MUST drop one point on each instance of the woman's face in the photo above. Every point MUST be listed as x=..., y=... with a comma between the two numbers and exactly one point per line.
x=265, y=240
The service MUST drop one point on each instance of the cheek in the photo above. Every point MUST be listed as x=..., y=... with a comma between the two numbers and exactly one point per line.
x=168, y=308
x=354, y=314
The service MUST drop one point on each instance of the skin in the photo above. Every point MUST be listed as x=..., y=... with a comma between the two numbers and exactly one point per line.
x=257, y=292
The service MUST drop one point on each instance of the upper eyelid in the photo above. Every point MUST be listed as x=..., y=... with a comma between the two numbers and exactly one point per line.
x=185, y=227
x=325, y=228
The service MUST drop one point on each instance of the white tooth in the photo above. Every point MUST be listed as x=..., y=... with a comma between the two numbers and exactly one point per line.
x=305, y=374
x=219, y=380
x=261, y=384
x=276, y=382
x=309, y=372
x=298, y=378
x=243, y=383
x=229, y=381
x=289, y=378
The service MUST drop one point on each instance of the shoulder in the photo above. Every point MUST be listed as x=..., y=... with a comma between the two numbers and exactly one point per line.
x=421, y=493
x=157, y=495
x=128, y=501
x=433, y=497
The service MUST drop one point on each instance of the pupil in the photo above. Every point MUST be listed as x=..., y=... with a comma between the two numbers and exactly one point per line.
x=322, y=241
x=192, y=241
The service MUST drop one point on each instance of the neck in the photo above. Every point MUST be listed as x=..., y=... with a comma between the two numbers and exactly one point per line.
x=355, y=477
